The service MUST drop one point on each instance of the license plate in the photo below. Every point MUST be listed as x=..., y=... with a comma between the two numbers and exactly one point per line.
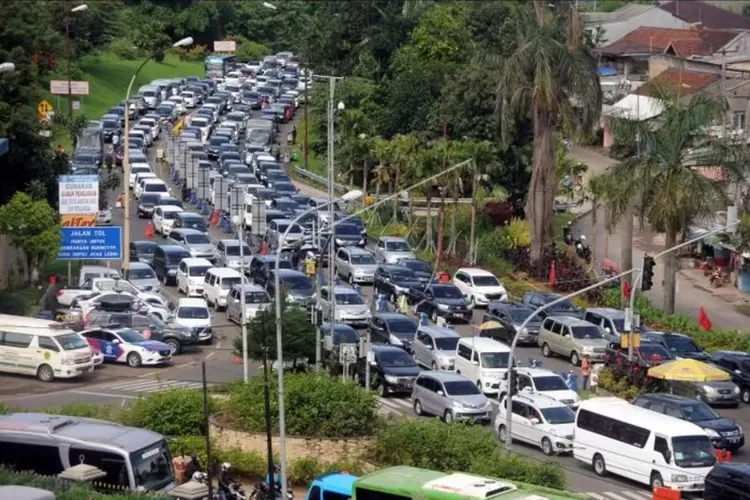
x=458, y=315
x=734, y=440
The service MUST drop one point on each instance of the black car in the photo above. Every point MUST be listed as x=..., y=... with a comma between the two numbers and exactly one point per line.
x=85, y=159
x=649, y=353
x=170, y=200
x=441, y=300
x=261, y=266
x=737, y=364
x=393, y=328
x=348, y=235
x=393, y=281
x=147, y=203
x=422, y=269
x=392, y=370
x=511, y=316
x=535, y=300
x=724, y=434
x=680, y=345
x=286, y=205
x=299, y=289
x=143, y=251
x=728, y=480
x=214, y=146
x=150, y=326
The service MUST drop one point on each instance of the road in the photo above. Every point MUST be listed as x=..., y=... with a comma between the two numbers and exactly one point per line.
x=118, y=384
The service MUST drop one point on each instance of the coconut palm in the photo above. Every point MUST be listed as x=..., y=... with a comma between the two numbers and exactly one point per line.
x=664, y=183
x=404, y=150
x=382, y=152
x=550, y=72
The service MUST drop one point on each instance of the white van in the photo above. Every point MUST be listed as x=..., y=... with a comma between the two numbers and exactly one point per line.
x=218, y=282
x=157, y=186
x=482, y=360
x=164, y=217
x=138, y=180
x=191, y=274
x=614, y=436
x=193, y=314
x=42, y=348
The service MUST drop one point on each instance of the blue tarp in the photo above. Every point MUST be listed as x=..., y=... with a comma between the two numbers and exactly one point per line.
x=607, y=71
x=3, y=146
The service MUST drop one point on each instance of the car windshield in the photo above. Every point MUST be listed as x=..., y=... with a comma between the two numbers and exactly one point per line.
x=131, y=336
x=349, y=299
x=397, y=246
x=194, y=223
x=395, y=358
x=152, y=467
x=285, y=187
x=150, y=199
x=347, y=230
x=486, y=281
x=699, y=412
x=174, y=258
x=257, y=298
x=146, y=250
x=286, y=205
x=519, y=315
x=403, y=274
x=419, y=266
x=196, y=271
x=109, y=124
x=587, y=332
x=362, y=258
x=192, y=312
x=495, y=359
x=619, y=324
x=648, y=351
x=142, y=273
x=550, y=383
x=197, y=239
x=447, y=292
x=234, y=250
x=199, y=122
x=71, y=341
x=218, y=141
x=402, y=327
x=559, y=415
x=693, y=451
x=228, y=282
x=296, y=282
x=745, y=365
x=169, y=215
x=461, y=388
x=564, y=306
x=681, y=344
x=295, y=229
x=155, y=187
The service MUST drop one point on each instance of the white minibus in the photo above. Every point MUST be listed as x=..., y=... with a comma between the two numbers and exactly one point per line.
x=43, y=348
x=616, y=437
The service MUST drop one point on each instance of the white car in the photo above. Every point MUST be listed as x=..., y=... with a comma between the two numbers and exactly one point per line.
x=139, y=168
x=179, y=103
x=191, y=275
x=204, y=124
x=104, y=217
x=480, y=287
x=164, y=217
x=542, y=381
x=157, y=186
x=192, y=313
x=138, y=180
x=128, y=346
x=152, y=122
x=538, y=420
x=189, y=99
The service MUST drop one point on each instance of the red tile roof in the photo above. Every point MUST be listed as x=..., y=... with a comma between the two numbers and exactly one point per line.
x=709, y=42
x=682, y=82
x=708, y=15
x=645, y=40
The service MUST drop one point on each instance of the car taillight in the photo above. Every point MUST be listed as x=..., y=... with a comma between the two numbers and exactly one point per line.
x=60, y=292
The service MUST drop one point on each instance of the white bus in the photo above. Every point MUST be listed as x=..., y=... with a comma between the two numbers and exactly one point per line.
x=616, y=437
x=46, y=444
x=43, y=348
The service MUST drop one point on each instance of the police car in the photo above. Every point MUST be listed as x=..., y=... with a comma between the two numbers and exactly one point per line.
x=128, y=346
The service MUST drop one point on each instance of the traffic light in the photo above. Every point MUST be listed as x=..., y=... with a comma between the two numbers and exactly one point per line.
x=648, y=273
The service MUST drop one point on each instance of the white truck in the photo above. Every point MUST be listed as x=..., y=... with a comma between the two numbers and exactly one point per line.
x=66, y=296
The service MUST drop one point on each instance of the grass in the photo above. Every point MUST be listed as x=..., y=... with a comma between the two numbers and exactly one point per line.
x=315, y=163
x=743, y=309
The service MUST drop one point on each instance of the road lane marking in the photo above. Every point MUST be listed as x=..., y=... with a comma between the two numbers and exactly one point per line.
x=595, y=496
x=101, y=394
x=636, y=495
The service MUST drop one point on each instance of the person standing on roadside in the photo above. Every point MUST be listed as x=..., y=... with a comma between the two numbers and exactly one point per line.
x=585, y=371
x=115, y=141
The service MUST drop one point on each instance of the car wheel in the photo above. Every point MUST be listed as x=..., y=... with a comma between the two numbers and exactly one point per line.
x=45, y=373
x=546, y=351
x=745, y=395
x=547, y=448
x=229, y=316
x=600, y=467
x=418, y=408
x=502, y=434
x=448, y=417
x=351, y=279
x=165, y=280
x=433, y=366
x=174, y=346
x=382, y=390
x=574, y=359
x=134, y=360
x=656, y=481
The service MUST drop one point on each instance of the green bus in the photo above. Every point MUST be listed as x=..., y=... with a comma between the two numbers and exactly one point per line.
x=407, y=483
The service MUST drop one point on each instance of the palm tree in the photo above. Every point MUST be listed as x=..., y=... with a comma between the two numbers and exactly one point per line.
x=550, y=72
x=598, y=188
x=427, y=164
x=664, y=183
x=382, y=152
x=404, y=148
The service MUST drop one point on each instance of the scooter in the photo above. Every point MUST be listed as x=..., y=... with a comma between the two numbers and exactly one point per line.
x=583, y=250
x=568, y=233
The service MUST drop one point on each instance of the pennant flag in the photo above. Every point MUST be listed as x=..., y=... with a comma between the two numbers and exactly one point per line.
x=704, y=320
x=552, y=275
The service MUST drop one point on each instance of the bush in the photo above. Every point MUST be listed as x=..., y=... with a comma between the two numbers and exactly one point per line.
x=251, y=51
x=173, y=413
x=303, y=470
x=76, y=492
x=124, y=49
x=194, y=53
x=317, y=405
x=88, y=410
x=619, y=386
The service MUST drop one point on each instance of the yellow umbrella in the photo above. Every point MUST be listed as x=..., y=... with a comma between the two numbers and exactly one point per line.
x=490, y=325
x=688, y=370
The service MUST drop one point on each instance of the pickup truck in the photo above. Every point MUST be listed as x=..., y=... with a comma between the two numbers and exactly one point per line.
x=443, y=300
x=66, y=296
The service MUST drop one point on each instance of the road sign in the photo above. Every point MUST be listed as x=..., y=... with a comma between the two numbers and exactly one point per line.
x=79, y=194
x=76, y=87
x=76, y=105
x=95, y=243
x=44, y=108
x=225, y=46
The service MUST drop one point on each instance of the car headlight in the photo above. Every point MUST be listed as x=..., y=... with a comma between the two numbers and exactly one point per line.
x=524, y=331
x=443, y=307
x=709, y=389
x=193, y=252
x=400, y=289
x=588, y=349
x=358, y=272
x=339, y=241
x=679, y=478
x=391, y=379
x=736, y=390
x=458, y=404
x=711, y=433
x=480, y=296
x=361, y=242
x=739, y=429
x=68, y=361
x=395, y=340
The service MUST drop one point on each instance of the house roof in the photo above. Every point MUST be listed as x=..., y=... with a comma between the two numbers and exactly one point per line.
x=622, y=14
x=647, y=40
x=709, y=16
x=708, y=42
x=636, y=107
x=680, y=81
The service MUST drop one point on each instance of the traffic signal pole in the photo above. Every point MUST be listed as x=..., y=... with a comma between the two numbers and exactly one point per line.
x=639, y=277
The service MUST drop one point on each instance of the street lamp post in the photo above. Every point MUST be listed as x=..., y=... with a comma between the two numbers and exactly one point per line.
x=126, y=155
x=351, y=195
x=79, y=8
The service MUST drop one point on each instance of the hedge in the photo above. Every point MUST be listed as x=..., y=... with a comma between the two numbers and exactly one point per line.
x=317, y=405
x=176, y=412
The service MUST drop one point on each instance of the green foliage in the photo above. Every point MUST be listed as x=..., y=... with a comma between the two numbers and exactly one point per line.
x=621, y=387
x=124, y=48
x=317, y=406
x=33, y=227
x=88, y=410
x=304, y=469
x=251, y=51
x=173, y=413
x=196, y=53
x=5, y=409
x=433, y=444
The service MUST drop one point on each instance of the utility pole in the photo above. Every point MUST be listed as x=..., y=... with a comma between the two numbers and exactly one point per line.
x=724, y=92
x=305, y=143
x=243, y=312
x=70, y=76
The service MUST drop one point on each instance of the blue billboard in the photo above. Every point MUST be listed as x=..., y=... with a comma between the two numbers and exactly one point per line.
x=91, y=243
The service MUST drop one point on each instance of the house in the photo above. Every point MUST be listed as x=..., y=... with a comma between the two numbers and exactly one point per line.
x=707, y=15
x=681, y=83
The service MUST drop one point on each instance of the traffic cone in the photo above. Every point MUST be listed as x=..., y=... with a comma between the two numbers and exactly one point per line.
x=149, y=232
x=264, y=248
x=215, y=218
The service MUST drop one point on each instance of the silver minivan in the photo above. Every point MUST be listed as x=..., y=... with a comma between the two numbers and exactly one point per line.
x=228, y=254
x=350, y=307
x=256, y=300
x=435, y=347
x=450, y=396
x=356, y=265
x=572, y=338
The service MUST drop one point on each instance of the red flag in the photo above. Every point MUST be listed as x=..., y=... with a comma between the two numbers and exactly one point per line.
x=704, y=320
x=626, y=290
x=552, y=275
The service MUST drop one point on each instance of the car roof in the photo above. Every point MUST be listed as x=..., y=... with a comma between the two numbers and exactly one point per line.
x=438, y=331
x=249, y=287
x=197, y=261
x=353, y=249
x=224, y=271
x=341, y=289
x=391, y=315
x=139, y=243
x=186, y=230
x=394, y=267
x=540, y=400
x=734, y=354
x=536, y=372
x=392, y=238
x=386, y=347
x=444, y=376
x=672, y=398
x=570, y=320
x=138, y=265
x=609, y=312
x=290, y=273
x=170, y=208
x=474, y=271
x=192, y=302
x=484, y=344
x=190, y=215
x=168, y=248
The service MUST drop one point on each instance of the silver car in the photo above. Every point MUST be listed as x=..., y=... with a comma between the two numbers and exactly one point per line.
x=389, y=249
x=228, y=254
x=435, y=347
x=450, y=396
x=256, y=300
x=350, y=307
x=142, y=276
x=276, y=228
x=356, y=265
x=196, y=242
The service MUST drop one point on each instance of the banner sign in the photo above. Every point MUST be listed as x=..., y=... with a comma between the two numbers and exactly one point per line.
x=79, y=194
x=78, y=220
x=225, y=46
x=77, y=87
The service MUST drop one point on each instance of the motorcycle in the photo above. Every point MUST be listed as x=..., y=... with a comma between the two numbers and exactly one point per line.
x=261, y=492
x=582, y=249
x=568, y=233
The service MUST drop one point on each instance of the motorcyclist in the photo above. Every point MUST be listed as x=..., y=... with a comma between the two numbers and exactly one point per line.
x=225, y=482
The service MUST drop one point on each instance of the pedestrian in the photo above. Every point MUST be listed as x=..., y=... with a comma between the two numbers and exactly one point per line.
x=585, y=371
x=294, y=134
x=115, y=140
x=59, y=149
x=310, y=265
x=403, y=304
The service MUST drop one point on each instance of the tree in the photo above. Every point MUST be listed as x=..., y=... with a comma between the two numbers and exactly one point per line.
x=549, y=71
x=665, y=183
x=32, y=227
x=250, y=51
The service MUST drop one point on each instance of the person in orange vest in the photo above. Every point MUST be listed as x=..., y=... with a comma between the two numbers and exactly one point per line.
x=60, y=150
x=585, y=372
